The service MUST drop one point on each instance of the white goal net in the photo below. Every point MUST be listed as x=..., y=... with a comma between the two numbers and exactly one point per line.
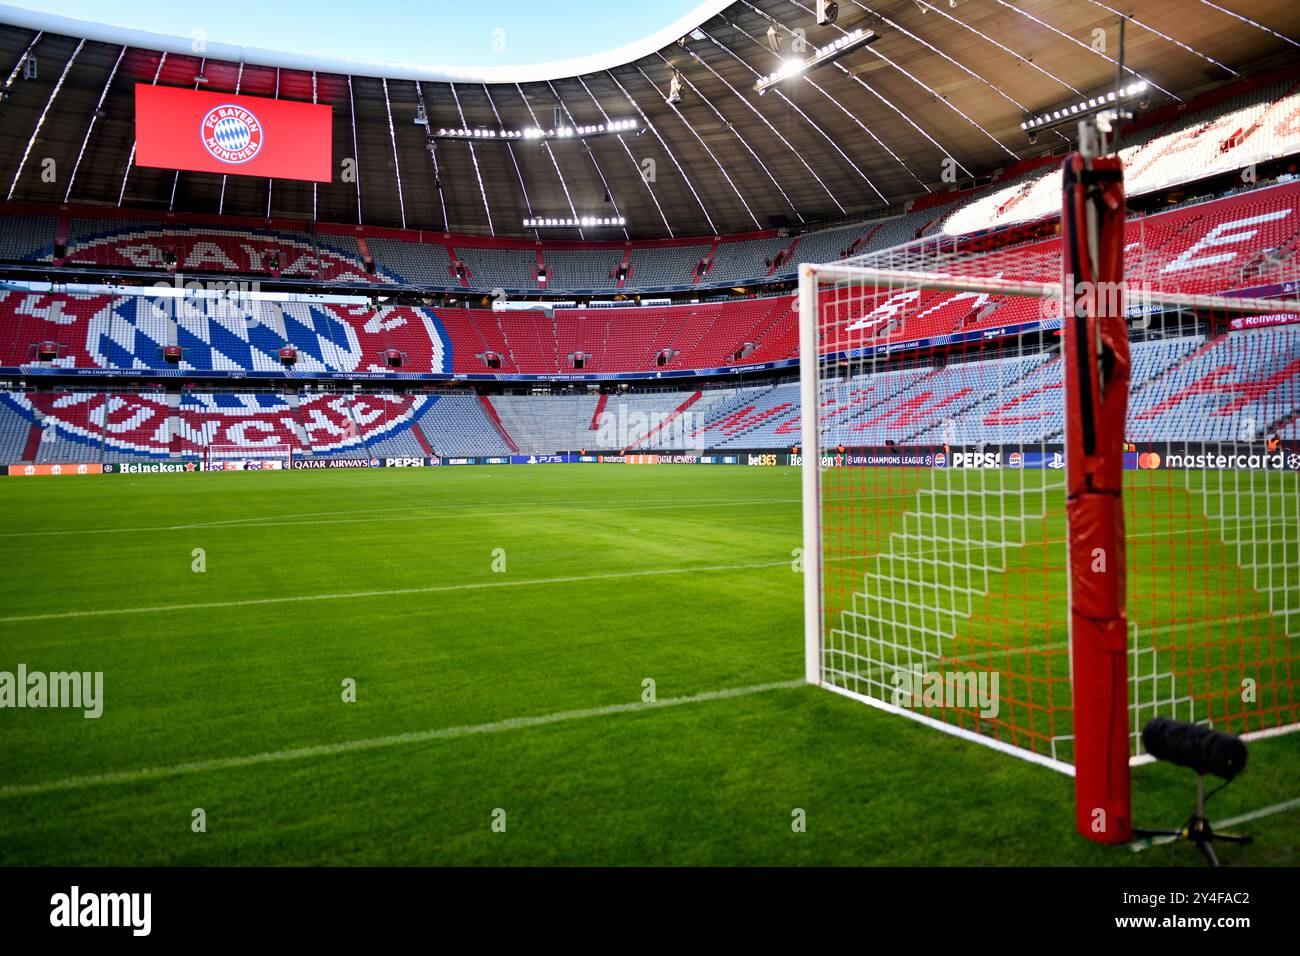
x=934, y=456
x=236, y=457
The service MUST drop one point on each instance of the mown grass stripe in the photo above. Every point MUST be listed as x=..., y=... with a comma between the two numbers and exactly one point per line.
x=373, y=743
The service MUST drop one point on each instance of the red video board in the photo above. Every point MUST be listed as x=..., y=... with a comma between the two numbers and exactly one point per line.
x=224, y=133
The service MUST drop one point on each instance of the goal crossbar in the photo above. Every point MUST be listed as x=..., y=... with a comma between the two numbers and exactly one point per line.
x=1135, y=294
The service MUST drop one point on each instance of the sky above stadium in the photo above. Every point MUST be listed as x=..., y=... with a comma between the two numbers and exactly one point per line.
x=451, y=33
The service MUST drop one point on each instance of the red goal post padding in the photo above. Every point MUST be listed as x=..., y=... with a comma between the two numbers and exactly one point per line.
x=1096, y=399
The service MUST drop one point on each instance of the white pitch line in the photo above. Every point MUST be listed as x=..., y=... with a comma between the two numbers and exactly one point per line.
x=372, y=743
x=1137, y=846
x=1259, y=814
x=390, y=592
x=304, y=514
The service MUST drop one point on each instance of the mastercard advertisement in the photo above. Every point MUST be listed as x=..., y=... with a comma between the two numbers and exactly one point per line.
x=237, y=135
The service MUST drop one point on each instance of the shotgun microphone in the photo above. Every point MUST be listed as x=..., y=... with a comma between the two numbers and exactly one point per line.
x=1198, y=748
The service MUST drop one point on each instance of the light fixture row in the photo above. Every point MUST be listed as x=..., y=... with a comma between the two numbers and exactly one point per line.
x=584, y=222
x=536, y=132
x=1083, y=106
x=823, y=54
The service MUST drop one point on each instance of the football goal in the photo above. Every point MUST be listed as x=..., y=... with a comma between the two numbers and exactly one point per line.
x=1051, y=483
x=220, y=456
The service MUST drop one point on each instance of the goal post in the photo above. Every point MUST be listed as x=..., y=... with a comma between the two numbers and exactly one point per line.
x=1096, y=371
x=910, y=518
x=810, y=444
x=952, y=512
x=235, y=457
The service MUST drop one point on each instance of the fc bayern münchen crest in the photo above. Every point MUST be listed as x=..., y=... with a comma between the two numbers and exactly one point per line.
x=231, y=133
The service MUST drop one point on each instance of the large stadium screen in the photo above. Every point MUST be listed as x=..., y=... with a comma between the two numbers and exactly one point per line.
x=225, y=133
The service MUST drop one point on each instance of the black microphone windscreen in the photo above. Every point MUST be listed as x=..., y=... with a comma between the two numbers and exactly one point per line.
x=1190, y=745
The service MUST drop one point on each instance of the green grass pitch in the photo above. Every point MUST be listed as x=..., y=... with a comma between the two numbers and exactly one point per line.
x=223, y=689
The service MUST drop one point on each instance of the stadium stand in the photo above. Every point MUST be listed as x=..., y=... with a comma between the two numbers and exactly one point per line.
x=1184, y=388
x=827, y=245
x=739, y=261
x=504, y=268
x=653, y=420
x=15, y=429
x=1190, y=387
x=455, y=423
x=27, y=238
x=127, y=426
x=477, y=336
x=1243, y=130
x=665, y=265
x=214, y=334
x=582, y=268
x=1253, y=235
x=230, y=251
x=550, y=424
x=844, y=401
x=750, y=420
x=1248, y=379
x=416, y=263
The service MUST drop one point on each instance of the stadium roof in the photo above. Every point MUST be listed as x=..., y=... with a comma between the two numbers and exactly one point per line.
x=871, y=129
x=604, y=59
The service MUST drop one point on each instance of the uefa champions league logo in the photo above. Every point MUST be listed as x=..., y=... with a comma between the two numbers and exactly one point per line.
x=231, y=133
